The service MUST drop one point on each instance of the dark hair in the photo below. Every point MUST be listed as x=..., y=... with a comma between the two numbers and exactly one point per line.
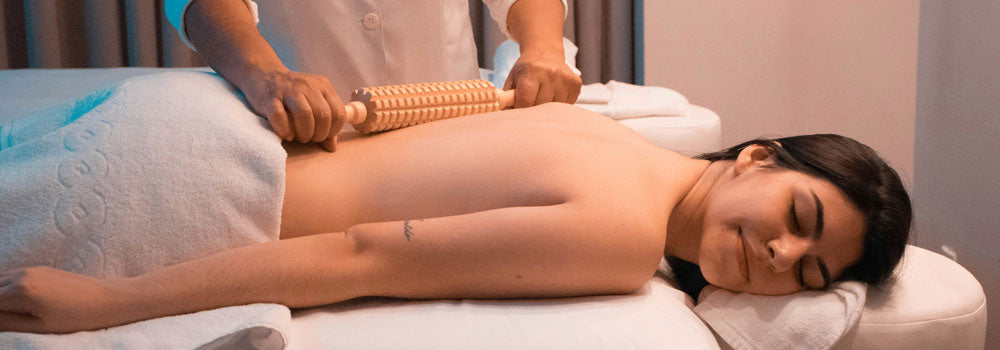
x=869, y=183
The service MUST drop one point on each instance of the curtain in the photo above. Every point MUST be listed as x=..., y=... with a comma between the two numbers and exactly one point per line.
x=89, y=33
x=135, y=33
x=601, y=29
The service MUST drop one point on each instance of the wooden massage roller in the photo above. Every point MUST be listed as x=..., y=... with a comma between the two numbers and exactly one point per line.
x=382, y=108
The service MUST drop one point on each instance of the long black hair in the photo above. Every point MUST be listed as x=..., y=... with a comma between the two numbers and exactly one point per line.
x=863, y=176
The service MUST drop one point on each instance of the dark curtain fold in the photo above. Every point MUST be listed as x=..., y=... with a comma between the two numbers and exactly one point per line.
x=89, y=33
x=603, y=32
x=135, y=33
x=601, y=29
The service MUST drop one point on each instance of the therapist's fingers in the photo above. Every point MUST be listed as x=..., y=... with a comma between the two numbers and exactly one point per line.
x=567, y=95
x=524, y=89
x=302, y=120
x=541, y=77
x=525, y=93
x=337, y=121
x=274, y=111
x=546, y=93
x=330, y=144
x=561, y=95
x=574, y=91
x=322, y=115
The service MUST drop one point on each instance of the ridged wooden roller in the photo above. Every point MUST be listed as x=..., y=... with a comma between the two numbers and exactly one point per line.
x=382, y=108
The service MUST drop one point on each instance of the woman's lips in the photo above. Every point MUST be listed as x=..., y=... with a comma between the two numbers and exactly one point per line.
x=745, y=263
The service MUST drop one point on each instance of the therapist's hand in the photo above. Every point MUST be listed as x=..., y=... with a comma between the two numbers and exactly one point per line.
x=300, y=106
x=541, y=77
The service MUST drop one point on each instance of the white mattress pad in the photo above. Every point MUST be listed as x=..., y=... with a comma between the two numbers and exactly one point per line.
x=657, y=316
x=933, y=303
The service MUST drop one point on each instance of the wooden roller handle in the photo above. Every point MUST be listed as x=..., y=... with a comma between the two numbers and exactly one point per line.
x=506, y=98
x=357, y=112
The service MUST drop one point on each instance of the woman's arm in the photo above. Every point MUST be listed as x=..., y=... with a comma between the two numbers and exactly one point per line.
x=556, y=250
x=309, y=270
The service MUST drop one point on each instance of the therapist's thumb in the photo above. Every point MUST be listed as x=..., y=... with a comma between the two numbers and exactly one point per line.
x=330, y=144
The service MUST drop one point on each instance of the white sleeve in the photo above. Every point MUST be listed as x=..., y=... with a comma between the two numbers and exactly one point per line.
x=175, y=10
x=500, y=8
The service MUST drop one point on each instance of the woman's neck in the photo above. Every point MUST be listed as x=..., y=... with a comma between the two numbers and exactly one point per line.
x=684, y=227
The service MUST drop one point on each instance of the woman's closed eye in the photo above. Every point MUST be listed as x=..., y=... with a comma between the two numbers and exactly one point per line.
x=796, y=225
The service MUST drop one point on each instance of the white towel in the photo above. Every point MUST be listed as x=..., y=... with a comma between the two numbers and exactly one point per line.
x=151, y=172
x=618, y=100
x=804, y=320
x=595, y=93
x=256, y=326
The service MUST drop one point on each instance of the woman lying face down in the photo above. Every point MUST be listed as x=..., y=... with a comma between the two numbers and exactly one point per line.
x=549, y=201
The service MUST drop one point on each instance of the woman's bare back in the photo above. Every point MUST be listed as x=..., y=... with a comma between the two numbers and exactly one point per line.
x=532, y=157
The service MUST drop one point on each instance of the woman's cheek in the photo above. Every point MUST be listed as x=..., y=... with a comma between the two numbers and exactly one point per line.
x=712, y=260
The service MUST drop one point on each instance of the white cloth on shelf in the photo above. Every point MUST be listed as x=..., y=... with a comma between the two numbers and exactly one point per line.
x=596, y=93
x=618, y=100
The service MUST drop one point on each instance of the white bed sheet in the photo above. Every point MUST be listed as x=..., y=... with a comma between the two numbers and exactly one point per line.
x=657, y=316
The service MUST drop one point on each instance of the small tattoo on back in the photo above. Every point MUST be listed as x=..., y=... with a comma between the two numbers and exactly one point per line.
x=407, y=230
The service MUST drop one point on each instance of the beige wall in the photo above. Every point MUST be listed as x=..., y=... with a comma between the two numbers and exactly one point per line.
x=956, y=188
x=780, y=68
x=851, y=67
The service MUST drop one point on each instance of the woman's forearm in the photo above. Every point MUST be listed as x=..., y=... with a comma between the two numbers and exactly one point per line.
x=300, y=272
x=227, y=39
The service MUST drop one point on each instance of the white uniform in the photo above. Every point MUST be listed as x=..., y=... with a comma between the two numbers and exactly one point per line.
x=357, y=43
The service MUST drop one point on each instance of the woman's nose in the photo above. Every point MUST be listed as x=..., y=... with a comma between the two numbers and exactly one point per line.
x=786, y=250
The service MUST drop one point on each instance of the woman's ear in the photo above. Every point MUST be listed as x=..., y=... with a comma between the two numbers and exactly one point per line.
x=753, y=156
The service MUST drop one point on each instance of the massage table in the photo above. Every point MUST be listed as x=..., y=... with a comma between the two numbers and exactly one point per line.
x=934, y=302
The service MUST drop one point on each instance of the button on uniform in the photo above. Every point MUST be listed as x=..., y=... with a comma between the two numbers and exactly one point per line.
x=371, y=21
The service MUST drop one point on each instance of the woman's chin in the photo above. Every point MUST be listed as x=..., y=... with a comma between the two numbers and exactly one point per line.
x=725, y=282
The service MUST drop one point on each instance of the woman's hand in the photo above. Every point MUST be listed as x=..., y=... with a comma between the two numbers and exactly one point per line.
x=47, y=300
x=540, y=77
x=299, y=106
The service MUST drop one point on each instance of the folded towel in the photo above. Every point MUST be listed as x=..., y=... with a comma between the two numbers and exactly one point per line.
x=618, y=100
x=804, y=320
x=148, y=173
x=595, y=93
x=256, y=326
